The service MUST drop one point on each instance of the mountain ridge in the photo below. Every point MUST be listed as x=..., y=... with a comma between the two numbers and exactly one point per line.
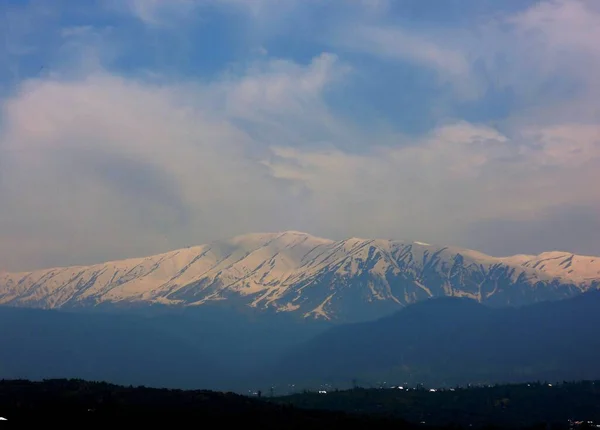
x=320, y=278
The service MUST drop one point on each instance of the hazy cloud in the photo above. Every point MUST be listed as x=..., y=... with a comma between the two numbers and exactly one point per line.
x=396, y=43
x=160, y=12
x=100, y=162
x=458, y=175
x=109, y=158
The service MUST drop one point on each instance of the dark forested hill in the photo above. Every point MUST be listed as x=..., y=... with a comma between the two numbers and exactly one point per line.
x=77, y=402
x=207, y=348
x=525, y=406
x=440, y=342
x=38, y=344
x=517, y=405
x=456, y=341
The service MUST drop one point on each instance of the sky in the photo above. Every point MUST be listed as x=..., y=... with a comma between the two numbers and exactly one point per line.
x=133, y=127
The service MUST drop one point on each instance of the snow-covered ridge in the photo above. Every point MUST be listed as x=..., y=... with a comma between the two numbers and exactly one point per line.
x=296, y=272
x=578, y=268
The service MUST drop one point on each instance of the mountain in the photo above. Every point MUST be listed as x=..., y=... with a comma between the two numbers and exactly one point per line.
x=448, y=341
x=211, y=349
x=39, y=344
x=443, y=341
x=349, y=280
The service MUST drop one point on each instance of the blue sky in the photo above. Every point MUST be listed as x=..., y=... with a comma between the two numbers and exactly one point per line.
x=130, y=127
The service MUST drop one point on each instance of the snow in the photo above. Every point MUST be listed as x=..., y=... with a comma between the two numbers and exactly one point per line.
x=320, y=311
x=578, y=268
x=424, y=288
x=281, y=270
x=288, y=307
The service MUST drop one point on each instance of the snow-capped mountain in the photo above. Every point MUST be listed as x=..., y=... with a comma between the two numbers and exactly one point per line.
x=352, y=279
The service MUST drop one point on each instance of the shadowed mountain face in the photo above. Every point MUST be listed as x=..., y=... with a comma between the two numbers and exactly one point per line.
x=457, y=341
x=216, y=349
x=439, y=341
x=40, y=344
x=310, y=277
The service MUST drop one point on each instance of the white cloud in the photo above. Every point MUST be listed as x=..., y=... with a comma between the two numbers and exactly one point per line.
x=459, y=174
x=282, y=86
x=544, y=51
x=561, y=24
x=158, y=12
x=104, y=166
x=94, y=165
x=555, y=60
x=162, y=12
x=396, y=43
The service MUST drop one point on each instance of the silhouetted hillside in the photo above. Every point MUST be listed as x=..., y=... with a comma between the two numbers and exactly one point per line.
x=518, y=405
x=64, y=402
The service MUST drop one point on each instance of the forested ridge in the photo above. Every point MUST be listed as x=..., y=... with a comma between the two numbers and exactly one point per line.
x=506, y=405
x=534, y=405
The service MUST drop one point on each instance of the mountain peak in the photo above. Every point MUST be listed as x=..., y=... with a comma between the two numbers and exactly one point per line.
x=293, y=271
x=285, y=235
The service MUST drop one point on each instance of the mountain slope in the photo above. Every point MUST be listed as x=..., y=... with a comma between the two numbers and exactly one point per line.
x=188, y=349
x=125, y=349
x=452, y=341
x=578, y=268
x=353, y=279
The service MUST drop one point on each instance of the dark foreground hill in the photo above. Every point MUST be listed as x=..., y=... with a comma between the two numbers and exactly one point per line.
x=77, y=402
x=517, y=405
x=529, y=406
x=453, y=341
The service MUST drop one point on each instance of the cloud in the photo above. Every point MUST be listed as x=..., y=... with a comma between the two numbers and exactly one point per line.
x=282, y=86
x=107, y=167
x=556, y=62
x=100, y=162
x=445, y=54
x=543, y=52
x=398, y=44
x=169, y=12
x=562, y=229
x=561, y=24
x=134, y=167
x=76, y=31
x=459, y=174
x=160, y=12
